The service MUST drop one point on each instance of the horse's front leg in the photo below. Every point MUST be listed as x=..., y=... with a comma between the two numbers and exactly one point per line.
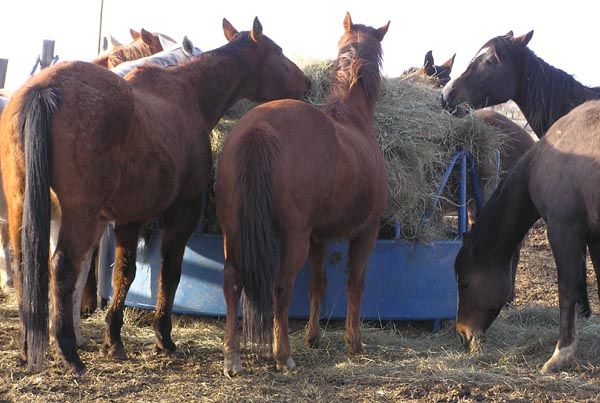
x=123, y=275
x=294, y=250
x=567, y=245
x=180, y=221
x=360, y=248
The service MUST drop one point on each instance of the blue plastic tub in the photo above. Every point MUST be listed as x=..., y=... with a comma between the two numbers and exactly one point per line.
x=404, y=281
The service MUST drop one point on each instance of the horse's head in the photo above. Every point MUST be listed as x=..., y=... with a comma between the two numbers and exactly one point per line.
x=155, y=42
x=440, y=72
x=358, y=32
x=492, y=77
x=275, y=76
x=483, y=289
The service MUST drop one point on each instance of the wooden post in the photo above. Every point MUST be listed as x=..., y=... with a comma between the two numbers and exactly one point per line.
x=3, y=67
x=47, y=54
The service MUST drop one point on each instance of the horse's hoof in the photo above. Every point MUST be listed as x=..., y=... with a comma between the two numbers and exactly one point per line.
x=289, y=365
x=355, y=348
x=76, y=366
x=166, y=349
x=313, y=341
x=560, y=358
x=232, y=366
x=115, y=351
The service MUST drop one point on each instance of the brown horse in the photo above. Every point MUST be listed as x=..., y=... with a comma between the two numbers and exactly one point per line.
x=438, y=75
x=108, y=149
x=505, y=68
x=294, y=176
x=144, y=44
x=558, y=181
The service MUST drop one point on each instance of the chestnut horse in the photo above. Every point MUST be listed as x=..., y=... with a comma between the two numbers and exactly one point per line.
x=506, y=69
x=144, y=44
x=108, y=149
x=556, y=180
x=291, y=177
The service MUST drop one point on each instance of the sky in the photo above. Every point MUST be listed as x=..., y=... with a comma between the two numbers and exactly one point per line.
x=566, y=32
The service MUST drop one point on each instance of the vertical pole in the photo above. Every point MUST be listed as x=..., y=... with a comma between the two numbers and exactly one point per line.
x=462, y=197
x=100, y=25
x=3, y=67
x=47, y=53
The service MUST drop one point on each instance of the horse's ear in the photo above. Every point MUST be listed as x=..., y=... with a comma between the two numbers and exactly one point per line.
x=187, y=46
x=348, y=22
x=256, y=32
x=134, y=34
x=104, y=43
x=114, y=42
x=428, y=63
x=523, y=40
x=147, y=37
x=382, y=31
x=509, y=34
x=229, y=31
x=449, y=63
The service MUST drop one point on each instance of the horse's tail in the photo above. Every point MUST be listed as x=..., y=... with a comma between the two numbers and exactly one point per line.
x=35, y=122
x=257, y=253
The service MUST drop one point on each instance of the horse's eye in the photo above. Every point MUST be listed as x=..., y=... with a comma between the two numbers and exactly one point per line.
x=492, y=60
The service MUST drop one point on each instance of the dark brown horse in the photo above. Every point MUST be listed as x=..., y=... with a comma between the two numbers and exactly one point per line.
x=108, y=149
x=506, y=69
x=291, y=177
x=558, y=180
x=437, y=75
x=144, y=44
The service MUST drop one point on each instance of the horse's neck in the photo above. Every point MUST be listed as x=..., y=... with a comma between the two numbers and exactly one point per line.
x=506, y=217
x=546, y=93
x=353, y=106
x=216, y=82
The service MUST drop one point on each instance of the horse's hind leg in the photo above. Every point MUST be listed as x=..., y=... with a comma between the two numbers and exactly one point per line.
x=360, y=248
x=123, y=274
x=568, y=247
x=583, y=300
x=76, y=238
x=294, y=249
x=593, y=244
x=180, y=221
x=318, y=285
x=232, y=289
x=89, y=300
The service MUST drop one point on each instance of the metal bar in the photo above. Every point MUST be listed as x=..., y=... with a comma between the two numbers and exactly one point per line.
x=462, y=196
x=442, y=184
x=3, y=68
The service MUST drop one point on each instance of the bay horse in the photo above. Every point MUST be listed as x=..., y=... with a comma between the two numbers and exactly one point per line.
x=506, y=69
x=144, y=44
x=556, y=180
x=86, y=298
x=292, y=176
x=101, y=148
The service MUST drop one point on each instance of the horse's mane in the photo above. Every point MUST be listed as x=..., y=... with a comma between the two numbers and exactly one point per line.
x=545, y=92
x=165, y=58
x=358, y=63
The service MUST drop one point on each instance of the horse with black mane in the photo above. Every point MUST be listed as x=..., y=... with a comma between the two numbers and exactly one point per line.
x=291, y=177
x=100, y=148
x=559, y=181
x=506, y=69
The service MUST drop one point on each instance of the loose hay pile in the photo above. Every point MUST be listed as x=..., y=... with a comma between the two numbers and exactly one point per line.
x=417, y=137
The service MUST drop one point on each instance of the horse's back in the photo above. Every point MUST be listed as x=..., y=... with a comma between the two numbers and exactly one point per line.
x=518, y=142
x=565, y=168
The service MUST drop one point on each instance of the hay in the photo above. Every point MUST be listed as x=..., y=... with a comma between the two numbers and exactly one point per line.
x=418, y=138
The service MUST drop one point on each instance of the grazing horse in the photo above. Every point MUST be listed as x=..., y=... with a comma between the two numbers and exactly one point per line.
x=102, y=148
x=437, y=75
x=86, y=298
x=558, y=180
x=440, y=72
x=144, y=44
x=506, y=69
x=292, y=176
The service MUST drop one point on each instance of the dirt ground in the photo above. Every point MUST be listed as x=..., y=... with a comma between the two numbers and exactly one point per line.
x=402, y=361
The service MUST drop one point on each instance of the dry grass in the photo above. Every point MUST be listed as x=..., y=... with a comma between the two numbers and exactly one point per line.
x=403, y=361
x=417, y=137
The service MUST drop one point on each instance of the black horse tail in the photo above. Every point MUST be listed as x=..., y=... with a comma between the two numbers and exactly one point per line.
x=35, y=123
x=257, y=257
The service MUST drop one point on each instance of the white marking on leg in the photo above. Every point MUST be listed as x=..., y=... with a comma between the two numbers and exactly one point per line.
x=560, y=357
